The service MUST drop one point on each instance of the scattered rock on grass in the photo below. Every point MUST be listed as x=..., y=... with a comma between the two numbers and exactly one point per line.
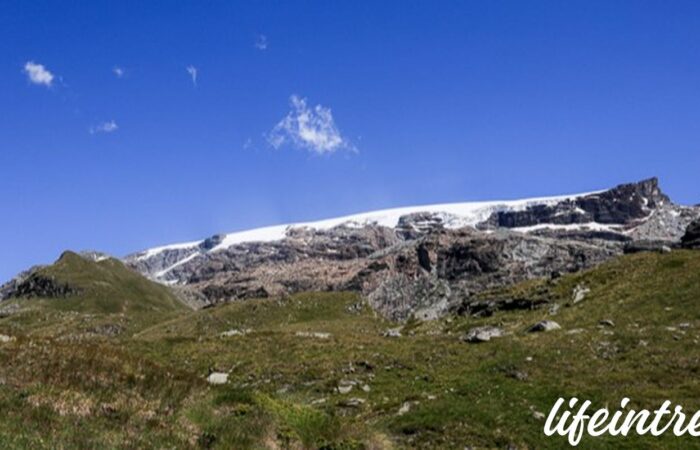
x=579, y=293
x=217, y=378
x=313, y=334
x=406, y=407
x=236, y=332
x=607, y=323
x=483, y=334
x=352, y=402
x=5, y=338
x=392, y=332
x=545, y=325
x=345, y=386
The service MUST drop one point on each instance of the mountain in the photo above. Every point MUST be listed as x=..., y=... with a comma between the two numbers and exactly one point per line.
x=90, y=284
x=423, y=260
x=592, y=295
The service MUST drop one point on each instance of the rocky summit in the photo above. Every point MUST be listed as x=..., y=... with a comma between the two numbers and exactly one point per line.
x=423, y=261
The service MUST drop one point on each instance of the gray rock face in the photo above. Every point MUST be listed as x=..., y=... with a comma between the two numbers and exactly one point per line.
x=603, y=208
x=36, y=285
x=29, y=283
x=443, y=271
x=7, y=289
x=691, y=239
x=427, y=265
x=665, y=224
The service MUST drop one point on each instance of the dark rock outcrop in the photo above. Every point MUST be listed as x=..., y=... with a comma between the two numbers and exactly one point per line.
x=37, y=285
x=621, y=205
x=7, y=289
x=691, y=239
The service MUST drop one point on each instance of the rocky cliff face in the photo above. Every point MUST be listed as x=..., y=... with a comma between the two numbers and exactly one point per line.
x=39, y=286
x=691, y=239
x=424, y=261
x=626, y=204
x=9, y=288
x=444, y=270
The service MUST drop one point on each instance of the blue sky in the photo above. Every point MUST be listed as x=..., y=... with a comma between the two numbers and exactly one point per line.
x=307, y=110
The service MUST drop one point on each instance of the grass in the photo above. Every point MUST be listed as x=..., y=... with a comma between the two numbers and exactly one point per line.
x=61, y=387
x=109, y=298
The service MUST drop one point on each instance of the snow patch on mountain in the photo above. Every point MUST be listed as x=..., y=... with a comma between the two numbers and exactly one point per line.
x=453, y=215
x=591, y=226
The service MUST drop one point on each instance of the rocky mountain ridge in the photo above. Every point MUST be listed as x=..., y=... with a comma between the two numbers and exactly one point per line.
x=419, y=261
x=424, y=261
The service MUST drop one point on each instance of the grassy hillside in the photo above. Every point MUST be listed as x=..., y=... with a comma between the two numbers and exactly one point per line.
x=105, y=295
x=292, y=386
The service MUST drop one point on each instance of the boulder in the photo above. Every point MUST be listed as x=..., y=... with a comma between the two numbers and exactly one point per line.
x=345, y=389
x=313, y=334
x=406, y=407
x=217, y=378
x=483, y=334
x=354, y=402
x=579, y=293
x=236, y=332
x=392, y=332
x=545, y=325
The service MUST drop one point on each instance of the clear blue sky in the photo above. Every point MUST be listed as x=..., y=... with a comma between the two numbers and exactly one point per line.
x=107, y=143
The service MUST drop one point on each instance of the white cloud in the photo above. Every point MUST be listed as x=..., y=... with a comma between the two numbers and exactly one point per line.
x=312, y=129
x=261, y=42
x=38, y=74
x=105, y=127
x=118, y=71
x=192, y=70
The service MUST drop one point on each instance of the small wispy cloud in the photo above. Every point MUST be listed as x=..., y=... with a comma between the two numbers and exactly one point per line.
x=312, y=129
x=38, y=74
x=261, y=42
x=118, y=71
x=192, y=70
x=104, y=127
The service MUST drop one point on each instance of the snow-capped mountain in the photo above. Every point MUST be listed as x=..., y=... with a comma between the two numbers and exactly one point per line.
x=450, y=215
x=419, y=260
x=630, y=212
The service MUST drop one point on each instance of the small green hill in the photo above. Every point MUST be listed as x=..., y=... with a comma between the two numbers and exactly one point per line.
x=101, y=291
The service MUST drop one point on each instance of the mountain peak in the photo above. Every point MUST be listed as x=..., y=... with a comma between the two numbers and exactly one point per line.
x=354, y=252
